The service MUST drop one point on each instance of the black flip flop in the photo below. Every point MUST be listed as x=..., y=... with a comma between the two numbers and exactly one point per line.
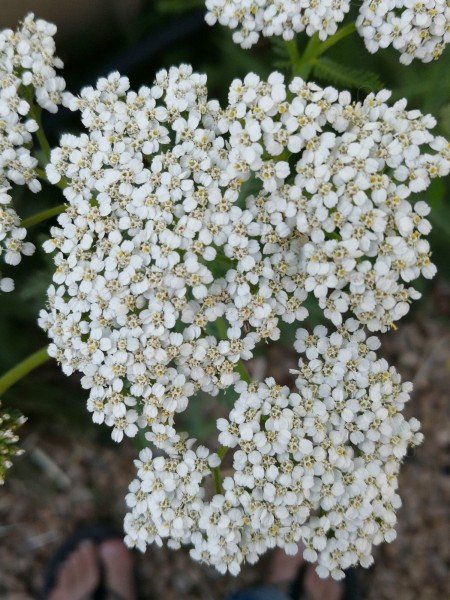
x=97, y=534
x=350, y=584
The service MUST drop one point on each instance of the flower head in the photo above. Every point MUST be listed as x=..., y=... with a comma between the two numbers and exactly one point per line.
x=27, y=75
x=343, y=177
x=318, y=464
x=283, y=18
x=415, y=29
x=10, y=421
x=153, y=201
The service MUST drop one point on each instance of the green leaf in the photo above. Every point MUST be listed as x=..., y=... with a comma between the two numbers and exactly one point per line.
x=280, y=50
x=340, y=34
x=279, y=47
x=345, y=76
x=444, y=120
x=437, y=199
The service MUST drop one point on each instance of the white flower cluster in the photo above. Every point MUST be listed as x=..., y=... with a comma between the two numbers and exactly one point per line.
x=170, y=271
x=341, y=174
x=416, y=29
x=9, y=424
x=27, y=75
x=152, y=197
x=252, y=18
x=319, y=465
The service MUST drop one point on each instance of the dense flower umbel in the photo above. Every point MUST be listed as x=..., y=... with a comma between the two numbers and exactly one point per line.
x=170, y=270
x=252, y=18
x=343, y=175
x=27, y=75
x=155, y=202
x=9, y=423
x=152, y=197
x=191, y=232
x=416, y=29
x=319, y=465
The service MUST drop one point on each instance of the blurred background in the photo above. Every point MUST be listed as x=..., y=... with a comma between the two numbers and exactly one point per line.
x=71, y=473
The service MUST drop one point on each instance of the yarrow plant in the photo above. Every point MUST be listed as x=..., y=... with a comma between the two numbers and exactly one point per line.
x=10, y=421
x=284, y=18
x=28, y=84
x=416, y=29
x=318, y=464
x=191, y=231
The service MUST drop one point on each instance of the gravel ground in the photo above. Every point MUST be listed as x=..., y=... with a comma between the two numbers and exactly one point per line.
x=63, y=481
x=416, y=565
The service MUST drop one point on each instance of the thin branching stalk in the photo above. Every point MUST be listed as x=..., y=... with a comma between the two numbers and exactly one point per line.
x=22, y=369
x=44, y=215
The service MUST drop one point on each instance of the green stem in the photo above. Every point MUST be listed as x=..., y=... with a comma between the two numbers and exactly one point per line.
x=217, y=479
x=222, y=327
x=22, y=369
x=140, y=441
x=62, y=183
x=216, y=470
x=240, y=368
x=222, y=451
x=43, y=215
x=35, y=113
x=294, y=55
x=340, y=34
x=304, y=64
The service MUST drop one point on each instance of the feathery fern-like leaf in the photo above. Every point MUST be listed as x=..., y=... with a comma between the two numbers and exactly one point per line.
x=345, y=76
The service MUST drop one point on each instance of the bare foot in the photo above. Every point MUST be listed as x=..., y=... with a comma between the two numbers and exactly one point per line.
x=118, y=568
x=316, y=588
x=284, y=569
x=79, y=575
